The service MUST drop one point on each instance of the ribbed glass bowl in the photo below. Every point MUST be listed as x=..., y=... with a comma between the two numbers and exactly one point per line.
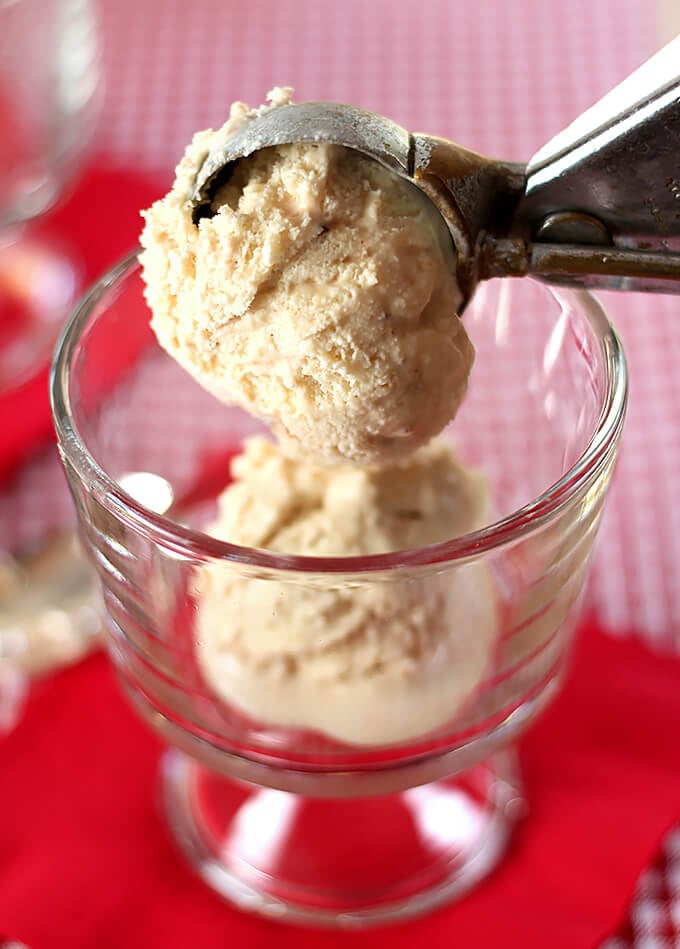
x=283, y=820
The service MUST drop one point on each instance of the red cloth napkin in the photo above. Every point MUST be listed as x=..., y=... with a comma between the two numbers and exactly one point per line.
x=86, y=861
x=100, y=220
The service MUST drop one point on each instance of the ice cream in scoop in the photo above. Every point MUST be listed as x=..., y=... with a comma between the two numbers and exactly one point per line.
x=319, y=295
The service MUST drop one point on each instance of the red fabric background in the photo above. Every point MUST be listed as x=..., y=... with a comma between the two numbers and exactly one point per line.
x=103, y=194
x=86, y=861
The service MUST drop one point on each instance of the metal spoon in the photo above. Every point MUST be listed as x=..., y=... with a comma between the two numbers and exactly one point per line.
x=598, y=206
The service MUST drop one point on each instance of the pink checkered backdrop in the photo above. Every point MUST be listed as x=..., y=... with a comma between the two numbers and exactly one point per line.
x=500, y=76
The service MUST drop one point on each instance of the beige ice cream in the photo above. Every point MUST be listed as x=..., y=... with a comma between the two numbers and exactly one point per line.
x=362, y=661
x=320, y=297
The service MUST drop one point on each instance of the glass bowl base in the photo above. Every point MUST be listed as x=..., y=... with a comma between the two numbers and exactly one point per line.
x=344, y=863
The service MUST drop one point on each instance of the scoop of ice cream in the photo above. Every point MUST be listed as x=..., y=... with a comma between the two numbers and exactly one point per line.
x=365, y=659
x=319, y=296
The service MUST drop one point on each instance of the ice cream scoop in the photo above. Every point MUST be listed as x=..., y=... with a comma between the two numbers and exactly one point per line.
x=320, y=296
x=599, y=205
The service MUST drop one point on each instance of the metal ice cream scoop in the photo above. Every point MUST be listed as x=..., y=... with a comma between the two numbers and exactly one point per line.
x=598, y=206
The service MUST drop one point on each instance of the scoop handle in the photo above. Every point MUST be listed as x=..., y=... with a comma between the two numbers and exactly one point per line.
x=611, y=182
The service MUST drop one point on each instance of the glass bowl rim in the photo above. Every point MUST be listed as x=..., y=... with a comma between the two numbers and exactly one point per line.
x=197, y=546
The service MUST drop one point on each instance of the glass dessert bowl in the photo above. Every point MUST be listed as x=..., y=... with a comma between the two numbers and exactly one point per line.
x=289, y=820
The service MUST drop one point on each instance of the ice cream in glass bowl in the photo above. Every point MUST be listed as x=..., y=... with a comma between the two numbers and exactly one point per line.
x=341, y=724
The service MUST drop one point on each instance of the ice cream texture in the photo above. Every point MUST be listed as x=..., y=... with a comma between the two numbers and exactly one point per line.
x=320, y=296
x=362, y=660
